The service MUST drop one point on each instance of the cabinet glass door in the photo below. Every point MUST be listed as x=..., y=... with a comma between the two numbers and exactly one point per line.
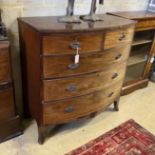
x=139, y=55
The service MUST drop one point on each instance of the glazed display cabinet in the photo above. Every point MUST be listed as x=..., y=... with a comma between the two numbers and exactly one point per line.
x=142, y=51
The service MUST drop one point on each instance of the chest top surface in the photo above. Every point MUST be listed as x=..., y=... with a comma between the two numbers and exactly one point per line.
x=51, y=24
x=135, y=15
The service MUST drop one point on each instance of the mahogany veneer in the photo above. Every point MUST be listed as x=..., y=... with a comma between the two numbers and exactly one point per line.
x=56, y=89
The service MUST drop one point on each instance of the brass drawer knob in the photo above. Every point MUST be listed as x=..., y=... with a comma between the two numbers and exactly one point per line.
x=71, y=88
x=114, y=76
x=75, y=45
x=73, y=66
x=111, y=94
x=122, y=36
x=118, y=56
x=69, y=109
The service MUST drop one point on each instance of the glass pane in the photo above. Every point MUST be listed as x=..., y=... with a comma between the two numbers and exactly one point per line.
x=139, y=54
x=135, y=71
x=141, y=47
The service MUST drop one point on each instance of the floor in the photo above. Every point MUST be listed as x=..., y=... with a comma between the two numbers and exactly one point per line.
x=139, y=106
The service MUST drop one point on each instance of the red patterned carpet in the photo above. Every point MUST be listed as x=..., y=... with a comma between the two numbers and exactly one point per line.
x=127, y=139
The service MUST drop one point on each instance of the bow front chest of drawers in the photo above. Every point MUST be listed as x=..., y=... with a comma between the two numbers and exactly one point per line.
x=58, y=86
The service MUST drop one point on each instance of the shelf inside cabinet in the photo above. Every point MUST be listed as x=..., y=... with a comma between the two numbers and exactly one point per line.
x=137, y=59
x=141, y=41
x=139, y=54
x=143, y=37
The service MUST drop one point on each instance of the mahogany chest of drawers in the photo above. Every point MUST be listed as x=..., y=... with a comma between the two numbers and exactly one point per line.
x=58, y=87
x=9, y=120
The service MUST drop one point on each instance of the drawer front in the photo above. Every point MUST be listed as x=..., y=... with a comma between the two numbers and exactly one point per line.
x=81, y=85
x=116, y=38
x=70, y=109
x=63, y=66
x=67, y=44
x=5, y=70
x=145, y=24
x=6, y=104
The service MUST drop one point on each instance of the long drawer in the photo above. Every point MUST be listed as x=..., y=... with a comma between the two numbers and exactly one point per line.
x=84, y=84
x=5, y=70
x=73, y=108
x=66, y=44
x=63, y=66
x=6, y=104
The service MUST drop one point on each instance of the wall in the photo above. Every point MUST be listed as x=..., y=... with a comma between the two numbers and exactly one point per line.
x=19, y=8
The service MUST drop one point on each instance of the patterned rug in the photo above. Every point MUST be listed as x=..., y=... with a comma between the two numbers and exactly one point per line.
x=127, y=139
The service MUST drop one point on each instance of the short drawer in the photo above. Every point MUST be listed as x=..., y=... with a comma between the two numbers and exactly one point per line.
x=5, y=70
x=116, y=38
x=63, y=66
x=67, y=44
x=70, y=109
x=81, y=85
x=6, y=104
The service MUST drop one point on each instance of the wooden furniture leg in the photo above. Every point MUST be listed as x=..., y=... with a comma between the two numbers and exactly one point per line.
x=93, y=115
x=42, y=132
x=116, y=104
x=45, y=131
